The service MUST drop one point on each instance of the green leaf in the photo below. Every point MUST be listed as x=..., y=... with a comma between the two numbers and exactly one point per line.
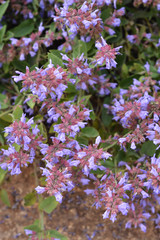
x=56, y=60
x=55, y=234
x=43, y=130
x=17, y=113
x=16, y=146
x=3, y=124
x=48, y=204
x=106, y=118
x=85, y=99
x=20, y=65
x=1, y=46
x=4, y=197
x=71, y=88
x=106, y=13
x=6, y=117
x=3, y=101
x=8, y=35
x=2, y=32
x=34, y=227
x=3, y=8
x=24, y=28
x=79, y=48
x=148, y=148
x=30, y=199
x=31, y=103
x=2, y=140
x=90, y=132
x=82, y=140
x=2, y=174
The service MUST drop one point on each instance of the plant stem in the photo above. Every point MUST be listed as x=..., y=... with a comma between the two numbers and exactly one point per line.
x=41, y=214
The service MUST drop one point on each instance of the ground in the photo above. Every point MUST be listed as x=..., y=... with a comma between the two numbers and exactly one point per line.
x=75, y=218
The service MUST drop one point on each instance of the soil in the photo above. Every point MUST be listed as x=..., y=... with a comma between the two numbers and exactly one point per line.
x=75, y=218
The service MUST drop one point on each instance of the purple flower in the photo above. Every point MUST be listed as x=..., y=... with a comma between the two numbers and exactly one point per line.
x=142, y=227
x=40, y=189
x=58, y=197
x=86, y=23
x=123, y=208
x=147, y=66
x=106, y=214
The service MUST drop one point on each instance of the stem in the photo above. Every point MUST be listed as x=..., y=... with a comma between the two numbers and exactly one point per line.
x=41, y=214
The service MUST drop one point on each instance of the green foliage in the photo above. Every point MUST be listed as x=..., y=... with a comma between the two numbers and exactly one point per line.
x=30, y=199
x=56, y=58
x=48, y=204
x=34, y=227
x=90, y=132
x=24, y=28
x=2, y=175
x=17, y=113
x=3, y=8
x=56, y=234
x=79, y=48
x=4, y=197
x=148, y=148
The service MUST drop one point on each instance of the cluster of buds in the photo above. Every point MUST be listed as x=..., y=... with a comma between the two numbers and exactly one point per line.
x=155, y=3
x=85, y=21
x=23, y=140
x=44, y=82
x=61, y=157
x=138, y=111
x=106, y=54
x=26, y=45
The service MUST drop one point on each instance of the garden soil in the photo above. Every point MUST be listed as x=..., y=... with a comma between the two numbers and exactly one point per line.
x=75, y=218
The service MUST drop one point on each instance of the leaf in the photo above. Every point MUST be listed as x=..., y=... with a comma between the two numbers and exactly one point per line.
x=124, y=70
x=16, y=146
x=2, y=32
x=3, y=8
x=3, y=124
x=2, y=140
x=90, y=132
x=17, y=113
x=30, y=199
x=71, y=88
x=82, y=140
x=148, y=148
x=106, y=118
x=8, y=35
x=6, y=117
x=1, y=46
x=4, y=197
x=3, y=101
x=55, y=234
x=34, y=227
x=55, y=59
x=43, y=130
x=2, y=174
x=31, y=103
x=106, y=13
x=24, y=28
x=48, y=204
x=79, y=48
x=85, y=99
x=20, y=65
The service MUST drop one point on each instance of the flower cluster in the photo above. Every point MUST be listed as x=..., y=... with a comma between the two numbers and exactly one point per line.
x=138, y=111
x=23, y=140
x=106, y=54
x=26, y=45
x=85, y=21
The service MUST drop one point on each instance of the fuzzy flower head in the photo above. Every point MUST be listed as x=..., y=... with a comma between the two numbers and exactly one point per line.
x=106, y=55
